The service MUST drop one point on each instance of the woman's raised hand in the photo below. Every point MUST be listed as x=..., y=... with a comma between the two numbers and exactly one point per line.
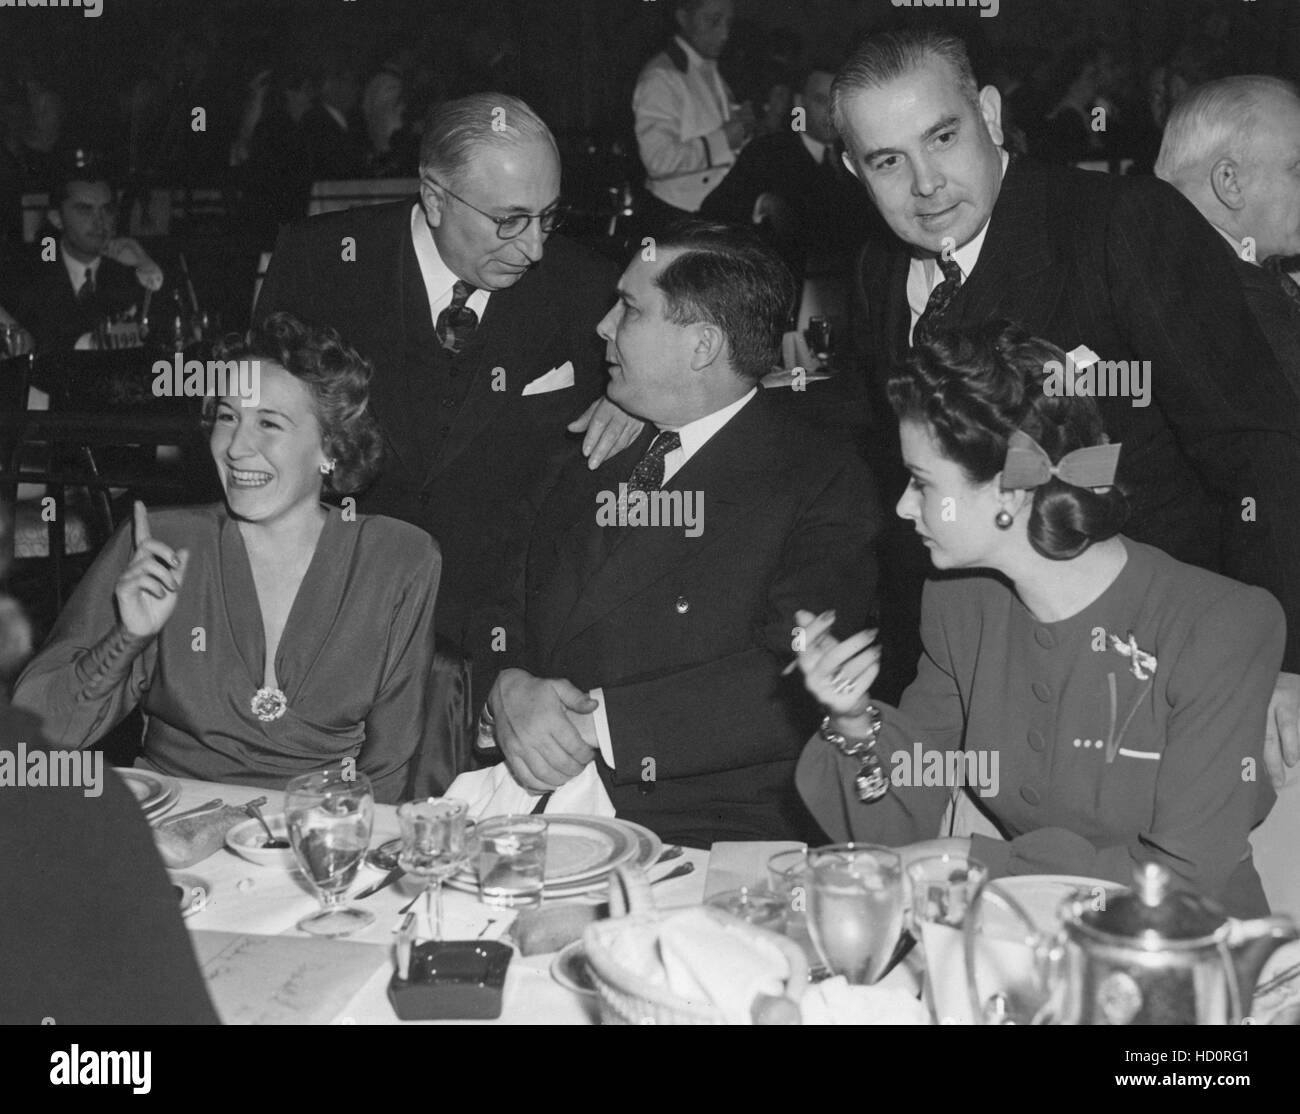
x=148, y=588
x=839, y=674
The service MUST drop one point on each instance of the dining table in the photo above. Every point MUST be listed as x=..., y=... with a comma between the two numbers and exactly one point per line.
x=260, y=968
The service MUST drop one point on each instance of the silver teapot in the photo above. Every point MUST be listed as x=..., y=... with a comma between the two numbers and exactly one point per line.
x=1154, y=956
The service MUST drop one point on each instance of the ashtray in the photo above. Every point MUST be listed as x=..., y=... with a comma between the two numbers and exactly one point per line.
x=452, y=980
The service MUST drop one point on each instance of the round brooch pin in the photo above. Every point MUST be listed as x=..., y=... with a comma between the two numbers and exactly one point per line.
x=268, y=704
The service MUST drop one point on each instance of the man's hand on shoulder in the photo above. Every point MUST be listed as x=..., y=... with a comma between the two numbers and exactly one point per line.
x=609, y=431
x=540, y=741
x=1282, y=732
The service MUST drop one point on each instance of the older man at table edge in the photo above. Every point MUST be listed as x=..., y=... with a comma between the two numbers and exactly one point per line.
x=680, y=629
x=1123, y=266
x=481, y=338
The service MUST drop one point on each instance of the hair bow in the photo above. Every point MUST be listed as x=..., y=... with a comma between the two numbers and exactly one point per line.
x=1028, y=465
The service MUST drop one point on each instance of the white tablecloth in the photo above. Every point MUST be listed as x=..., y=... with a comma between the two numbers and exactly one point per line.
x=258, y=900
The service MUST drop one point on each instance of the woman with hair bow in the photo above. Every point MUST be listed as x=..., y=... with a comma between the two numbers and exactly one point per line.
x=1117, y=696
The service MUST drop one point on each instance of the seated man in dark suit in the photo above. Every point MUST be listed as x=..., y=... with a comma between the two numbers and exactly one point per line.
x=1230, y=147
x=656, y=649
x=795, y=181
x=63, y=290
x=1122, y=266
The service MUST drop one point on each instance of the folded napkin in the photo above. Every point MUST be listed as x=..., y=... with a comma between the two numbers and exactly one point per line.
x=708, y=961
x=494, y=792
x=835, y=1002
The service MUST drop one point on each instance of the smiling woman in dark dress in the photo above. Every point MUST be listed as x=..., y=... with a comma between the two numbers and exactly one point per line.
x=270, y=636
x=1122, y=693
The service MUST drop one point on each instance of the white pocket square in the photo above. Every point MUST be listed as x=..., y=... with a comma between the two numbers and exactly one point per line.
x=554, y=380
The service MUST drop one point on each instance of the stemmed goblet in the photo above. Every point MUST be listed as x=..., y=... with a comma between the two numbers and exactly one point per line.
x=437, y=840
x=330, y=815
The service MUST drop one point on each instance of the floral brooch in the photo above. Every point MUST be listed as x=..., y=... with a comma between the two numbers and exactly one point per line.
x=268, y=704
x=1141, y=663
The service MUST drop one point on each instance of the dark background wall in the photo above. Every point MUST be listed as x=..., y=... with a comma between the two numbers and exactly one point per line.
x=576, y=58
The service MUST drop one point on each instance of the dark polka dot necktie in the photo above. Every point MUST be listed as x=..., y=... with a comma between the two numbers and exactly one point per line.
x=457, y=322
x=940, y=299
x=1276, y=266
x=648, y=475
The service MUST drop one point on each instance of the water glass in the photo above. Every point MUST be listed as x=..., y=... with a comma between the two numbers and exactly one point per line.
x=759, y=907
x=512, y=861
x=855, y=908
x=787, y=878
x=941, y=889
x=437, y=840
x=330, y=815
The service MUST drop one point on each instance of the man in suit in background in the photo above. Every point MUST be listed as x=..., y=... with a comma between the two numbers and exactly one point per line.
x=60, y=295
x=480, y=326
x=794, y=179
x=331, y=135
x=1123, y=266
x=679, y=629
x=1231, y=147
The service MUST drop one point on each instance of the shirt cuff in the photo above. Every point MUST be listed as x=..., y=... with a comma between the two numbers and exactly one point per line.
x=602, y=727
x=719, y=150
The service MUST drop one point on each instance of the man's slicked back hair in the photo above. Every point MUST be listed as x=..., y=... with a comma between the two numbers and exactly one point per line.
x=729, y=278
x=454, y=131
x=889, y=55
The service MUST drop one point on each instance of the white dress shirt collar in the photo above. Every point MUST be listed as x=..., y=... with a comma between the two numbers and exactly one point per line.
x=816, y=147
x=1237, y=245
x=695, y=434
x=438, y=277
x=694, y=59
x=77, y=270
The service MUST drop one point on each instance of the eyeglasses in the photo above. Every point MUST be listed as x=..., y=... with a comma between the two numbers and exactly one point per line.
x=510, y=227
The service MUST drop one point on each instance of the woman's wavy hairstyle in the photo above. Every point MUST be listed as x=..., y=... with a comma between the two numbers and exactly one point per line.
x=338, y=378
x=973, y=388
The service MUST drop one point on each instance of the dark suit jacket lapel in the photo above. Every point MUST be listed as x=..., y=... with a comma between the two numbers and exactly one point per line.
x=732, y=473
x=391, y=289
x=1016, y=248
x=518, y=324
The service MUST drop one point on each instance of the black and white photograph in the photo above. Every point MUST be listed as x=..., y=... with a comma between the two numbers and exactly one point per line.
x=649, y=512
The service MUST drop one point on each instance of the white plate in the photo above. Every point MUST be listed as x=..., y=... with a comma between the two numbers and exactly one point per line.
x=153, y=792
x=647, y=848
x=1041, y=896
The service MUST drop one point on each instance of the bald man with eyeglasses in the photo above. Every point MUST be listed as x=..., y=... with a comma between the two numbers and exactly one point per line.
x=481, y=325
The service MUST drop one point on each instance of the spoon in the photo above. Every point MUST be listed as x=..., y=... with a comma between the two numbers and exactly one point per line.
x=273, y=843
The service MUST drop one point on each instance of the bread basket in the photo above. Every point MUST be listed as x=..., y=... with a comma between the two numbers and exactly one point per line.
x=627, y=998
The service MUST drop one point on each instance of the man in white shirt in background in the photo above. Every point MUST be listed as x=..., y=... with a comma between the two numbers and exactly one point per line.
x=688, y=130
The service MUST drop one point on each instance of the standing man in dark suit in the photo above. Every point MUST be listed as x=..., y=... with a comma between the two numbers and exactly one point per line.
x=58, y=295
x=656, y=647
x=1122, y=266
x=480, y=326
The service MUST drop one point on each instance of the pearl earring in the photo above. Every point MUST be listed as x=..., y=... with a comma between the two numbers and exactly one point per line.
x=327, y=468
x=1003, y=520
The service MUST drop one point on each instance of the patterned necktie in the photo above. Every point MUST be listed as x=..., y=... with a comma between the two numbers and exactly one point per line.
x=940, y=299
x=87, y=291
x=648, y=475
x=457, y=322
x=1274, y=265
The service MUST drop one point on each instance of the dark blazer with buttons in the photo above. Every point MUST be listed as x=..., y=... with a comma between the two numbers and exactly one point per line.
x=688, y=636
x=472, y=496
x=1129, y=268
x=1084, y=766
